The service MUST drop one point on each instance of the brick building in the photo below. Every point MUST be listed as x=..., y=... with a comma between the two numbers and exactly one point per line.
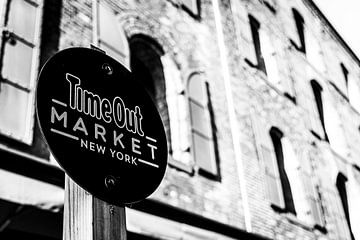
x=260, y=100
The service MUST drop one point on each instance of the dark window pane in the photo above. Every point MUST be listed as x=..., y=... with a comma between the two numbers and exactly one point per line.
x=299, y=21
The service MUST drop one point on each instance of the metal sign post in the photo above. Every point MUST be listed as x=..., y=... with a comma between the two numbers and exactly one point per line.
x=106, y=133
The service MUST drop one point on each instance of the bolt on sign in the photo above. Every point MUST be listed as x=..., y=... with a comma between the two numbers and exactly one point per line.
x=101, y=125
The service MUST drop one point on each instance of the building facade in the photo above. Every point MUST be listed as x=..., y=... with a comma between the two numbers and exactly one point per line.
x=260, y=101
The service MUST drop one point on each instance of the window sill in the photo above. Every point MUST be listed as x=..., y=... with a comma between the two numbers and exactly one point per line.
x=322, y=229
x=193, y=14
x=293, y=44
x=291, y=217
x=270, y=7
x=339, y=91
x=317, y=136
x=271, y=85
x=31, y=166
x=209, y=175
x=296, y=221
x=181, y=166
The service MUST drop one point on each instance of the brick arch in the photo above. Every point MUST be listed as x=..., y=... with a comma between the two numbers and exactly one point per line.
x=135, y=24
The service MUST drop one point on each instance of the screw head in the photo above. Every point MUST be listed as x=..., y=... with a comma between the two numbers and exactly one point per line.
x=107, y=69
x=110, y=182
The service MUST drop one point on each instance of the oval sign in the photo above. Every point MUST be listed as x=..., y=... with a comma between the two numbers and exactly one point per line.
x=101, y=125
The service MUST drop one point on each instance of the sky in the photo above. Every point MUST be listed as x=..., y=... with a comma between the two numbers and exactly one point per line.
x=344, y=15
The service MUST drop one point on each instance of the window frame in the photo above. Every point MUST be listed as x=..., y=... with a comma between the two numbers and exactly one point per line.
x=300, y=27
x=255, y=34
x=276, y=136
x=28, y=135
x=194, y=10
x=317, y=91
x=212, y=140
x=341, y=180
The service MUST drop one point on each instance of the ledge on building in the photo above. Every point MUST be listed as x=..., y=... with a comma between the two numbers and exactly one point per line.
x=30, y=166
x=179, y=215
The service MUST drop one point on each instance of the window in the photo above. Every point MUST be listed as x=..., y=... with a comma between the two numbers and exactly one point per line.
x=354, y=93
x=20, y=45
x=147, y=67
x=353, y=188
x=202, y=124
x=345, y=74
x=340, y=83
x=341, y=187
x=266, y=59
x=269, y=54
x=288, y=178
x=299, y=21
x=178, y=108
x=109, y=35
x=255, y=26
x=303, y=191
x=334, y=129
x=276, y=136
x=317, y=91
x=314, y=53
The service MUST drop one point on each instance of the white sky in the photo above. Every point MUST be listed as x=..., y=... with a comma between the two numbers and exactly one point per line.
x=344, y=15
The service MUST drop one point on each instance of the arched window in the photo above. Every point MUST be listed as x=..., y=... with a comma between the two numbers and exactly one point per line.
x=255, y=27
x=353, y=198
x=266, y=57
x=341, y=183
x=276, y=137
x=299, y=21
x=287, y=177
x=317, y=93
x=178, y=115
x=146, y=65
x=296, y=176
x=202, y=124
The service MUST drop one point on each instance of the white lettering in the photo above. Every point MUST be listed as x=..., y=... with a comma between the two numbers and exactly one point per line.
x=135, y=145
x=101, y=133
x=112, y=152
x=92, y=104
x=92, y=146
x=80, y=125
x=100, y=148
x=83, y=143
x=117, y=139
x=58, y=117
x=152, y=147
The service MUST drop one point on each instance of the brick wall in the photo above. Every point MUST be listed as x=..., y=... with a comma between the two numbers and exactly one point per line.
x=193, y=44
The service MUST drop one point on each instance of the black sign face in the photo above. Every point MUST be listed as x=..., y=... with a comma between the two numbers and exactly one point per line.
x=101, y=125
